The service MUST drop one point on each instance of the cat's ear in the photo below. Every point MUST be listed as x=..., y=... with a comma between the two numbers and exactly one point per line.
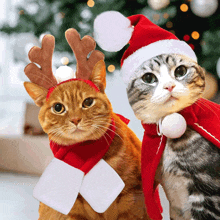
x=98, y=76
x=37, y=93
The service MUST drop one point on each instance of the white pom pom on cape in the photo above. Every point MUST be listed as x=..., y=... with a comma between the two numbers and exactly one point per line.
x=112, y=30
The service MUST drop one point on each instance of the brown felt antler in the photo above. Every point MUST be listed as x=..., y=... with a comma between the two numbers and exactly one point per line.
x=43, y=76
x=82, y=48
x=43, y=56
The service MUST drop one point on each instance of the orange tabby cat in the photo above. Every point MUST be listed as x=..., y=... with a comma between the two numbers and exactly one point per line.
x=92, y=112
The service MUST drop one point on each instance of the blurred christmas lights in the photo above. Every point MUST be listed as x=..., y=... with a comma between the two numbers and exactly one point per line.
x=184, y=7
x=186, y=37
x=90, y=3
x=156, y=17
x=111, y=68
x=21, y=12
x=169, y=24
x=166, y=15
x=192, y=46
x=195, y=35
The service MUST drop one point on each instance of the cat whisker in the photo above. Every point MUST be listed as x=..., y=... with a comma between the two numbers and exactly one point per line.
x=98, y=129
x=117, y=126
x=99, y=126
x=201, y=102
x=98, y=116
x=114, y=132
x=54, y=130
x=56, y=135
x=180, y=93
x=89, y=123
x=160, y=99
x=94, y=134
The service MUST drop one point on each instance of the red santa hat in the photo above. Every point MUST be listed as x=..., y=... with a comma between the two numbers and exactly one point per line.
x=146, y=40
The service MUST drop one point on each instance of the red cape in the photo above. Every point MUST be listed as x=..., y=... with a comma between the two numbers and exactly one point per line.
x=204, y=117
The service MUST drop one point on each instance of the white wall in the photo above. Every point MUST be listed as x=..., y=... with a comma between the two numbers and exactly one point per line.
x=116, y=92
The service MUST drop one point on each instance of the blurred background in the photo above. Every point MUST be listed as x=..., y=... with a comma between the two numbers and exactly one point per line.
x=24, y=148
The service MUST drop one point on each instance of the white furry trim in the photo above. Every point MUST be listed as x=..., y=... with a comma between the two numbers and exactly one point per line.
x=112, y=30
x=101, y=186
x=59, y=185
x=132, y=62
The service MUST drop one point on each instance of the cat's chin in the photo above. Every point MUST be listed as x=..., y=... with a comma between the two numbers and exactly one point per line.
x=161, y=110
x=171, y=100
x=78, y=131
x=74, y=137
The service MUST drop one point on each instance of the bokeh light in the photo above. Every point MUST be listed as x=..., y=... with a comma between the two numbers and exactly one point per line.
x=184, y=7
x=111, y=68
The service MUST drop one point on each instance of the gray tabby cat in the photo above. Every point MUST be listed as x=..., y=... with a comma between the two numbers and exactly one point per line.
x=189, y=170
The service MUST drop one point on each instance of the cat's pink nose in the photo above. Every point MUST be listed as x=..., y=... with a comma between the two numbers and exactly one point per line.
x=76, y=121
x=170, y=88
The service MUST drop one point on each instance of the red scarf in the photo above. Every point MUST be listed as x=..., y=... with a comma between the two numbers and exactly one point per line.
x=204, y=117
x=86, y=155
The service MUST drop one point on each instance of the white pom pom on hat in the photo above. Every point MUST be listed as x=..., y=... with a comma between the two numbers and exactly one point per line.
x=113, y=31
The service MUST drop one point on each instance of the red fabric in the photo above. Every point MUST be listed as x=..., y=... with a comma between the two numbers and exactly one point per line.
x=86, y=155
x=125, y=120
x=86, y=81
x=204, y=117
x=145, y=32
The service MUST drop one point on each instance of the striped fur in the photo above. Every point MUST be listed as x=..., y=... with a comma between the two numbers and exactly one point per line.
x=148, y=101
x=191, y=177
x=123, y=155
x=189, y=170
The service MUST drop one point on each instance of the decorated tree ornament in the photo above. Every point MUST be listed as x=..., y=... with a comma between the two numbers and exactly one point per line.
x=173, y=125
x=204, y=8
x=158, y=4
x=64, y=73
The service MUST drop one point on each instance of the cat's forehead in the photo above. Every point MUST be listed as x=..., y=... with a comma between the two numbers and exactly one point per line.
x=73, y=90
x=170, y=60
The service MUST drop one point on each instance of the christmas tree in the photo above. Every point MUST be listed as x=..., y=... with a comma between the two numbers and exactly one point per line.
x=194, y=21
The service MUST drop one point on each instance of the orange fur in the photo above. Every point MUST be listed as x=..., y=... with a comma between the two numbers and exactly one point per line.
x=124, y=154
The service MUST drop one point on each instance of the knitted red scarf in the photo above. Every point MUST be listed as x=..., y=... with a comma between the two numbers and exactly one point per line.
x=204, y=117
x=86, y=155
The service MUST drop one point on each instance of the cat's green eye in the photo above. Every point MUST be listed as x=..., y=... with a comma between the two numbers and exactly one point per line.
x=87, y=102
x=58, y=108
x=180, y=71
x=149, y=78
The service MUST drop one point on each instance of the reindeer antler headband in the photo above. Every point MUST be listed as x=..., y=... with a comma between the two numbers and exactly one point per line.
x=44, y=77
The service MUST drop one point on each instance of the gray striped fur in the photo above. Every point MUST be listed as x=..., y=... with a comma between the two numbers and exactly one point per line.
x=140, y=94
x=189, y=170
x=190, y=176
